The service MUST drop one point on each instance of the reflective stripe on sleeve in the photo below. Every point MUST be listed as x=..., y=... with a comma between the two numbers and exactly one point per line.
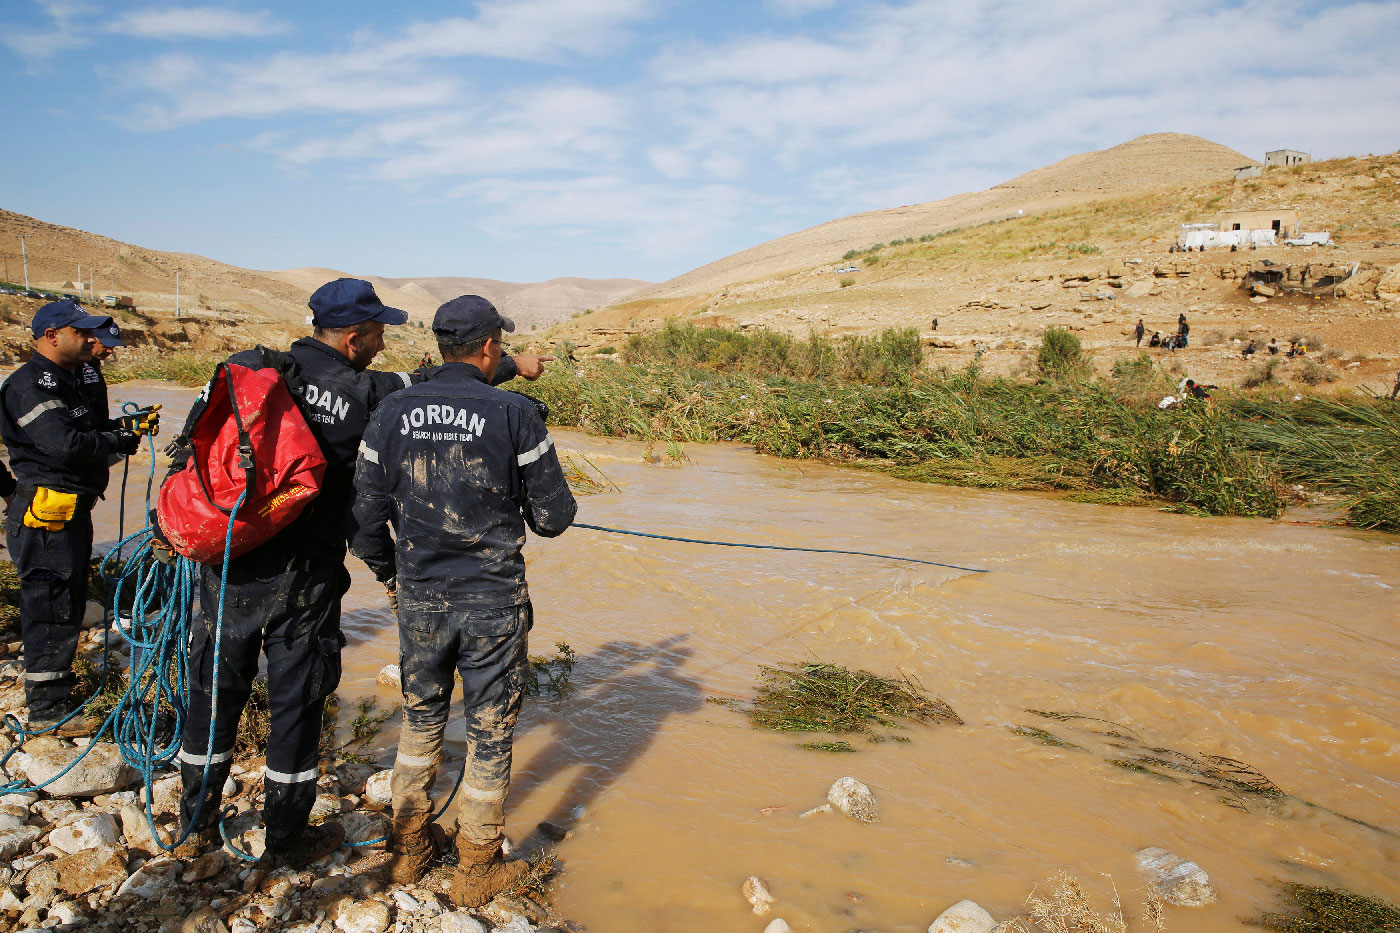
x=369, y=453
x=38, y=410
x=217, y=758
x=282, y=777
x=535, y=453
x=407, y=379
x=46, y=675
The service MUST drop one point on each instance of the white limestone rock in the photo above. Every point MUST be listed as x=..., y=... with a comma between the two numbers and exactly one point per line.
x=364, y=917
x=460, y=921
x=1176, y=881
x=779, y=925
x=101, y=771
x=152, y=879
x=362, y=827
x=389, y=676
x=378, y=790
x=854, y=799
x=18, y=841
x=964, y=917
x=87, y=832
x=755, y=891
x=325, y=806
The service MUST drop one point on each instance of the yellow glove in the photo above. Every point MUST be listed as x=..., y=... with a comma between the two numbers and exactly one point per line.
x=145, y=421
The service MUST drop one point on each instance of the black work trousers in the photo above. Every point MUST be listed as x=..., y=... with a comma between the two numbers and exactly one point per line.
x=294, y=618
x=489, y=649
x=53, y=584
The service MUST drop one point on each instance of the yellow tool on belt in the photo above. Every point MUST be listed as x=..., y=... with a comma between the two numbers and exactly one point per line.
x=51, y=509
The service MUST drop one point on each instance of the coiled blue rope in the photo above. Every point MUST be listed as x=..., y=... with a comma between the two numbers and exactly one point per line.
x=157, y=630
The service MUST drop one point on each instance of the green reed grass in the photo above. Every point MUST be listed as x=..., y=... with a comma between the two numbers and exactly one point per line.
x=891, y=355
x=1316, y=909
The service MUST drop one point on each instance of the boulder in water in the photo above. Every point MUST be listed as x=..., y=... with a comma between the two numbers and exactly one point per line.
x=854, y=799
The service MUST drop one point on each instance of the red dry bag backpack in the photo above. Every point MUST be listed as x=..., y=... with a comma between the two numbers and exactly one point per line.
x=251, y=435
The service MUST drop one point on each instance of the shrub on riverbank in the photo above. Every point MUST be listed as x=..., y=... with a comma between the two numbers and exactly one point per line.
x=1101, y=442
x=893, y=354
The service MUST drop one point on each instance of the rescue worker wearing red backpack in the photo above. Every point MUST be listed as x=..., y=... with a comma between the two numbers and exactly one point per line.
x=283, y=596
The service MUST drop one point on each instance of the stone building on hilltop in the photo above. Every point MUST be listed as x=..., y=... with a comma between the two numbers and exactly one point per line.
x=1281, y=158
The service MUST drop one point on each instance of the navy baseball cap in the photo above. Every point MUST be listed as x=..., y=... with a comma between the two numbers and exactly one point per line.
x=346, y=302
x=64, y=313
x=467, y=318
x=108, y=334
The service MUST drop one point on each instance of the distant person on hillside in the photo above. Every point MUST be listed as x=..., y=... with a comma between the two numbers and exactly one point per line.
x=1156, y=340
x=1248, y=351
x=1183, y=332
x=1273, y=346
x=1139, y=331
x=935, y=323
x=1197, y=391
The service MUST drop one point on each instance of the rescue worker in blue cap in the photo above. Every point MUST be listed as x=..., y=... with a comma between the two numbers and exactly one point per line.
x=60, y=447
x=283, y=597
x=458, y=469
x=109, y=337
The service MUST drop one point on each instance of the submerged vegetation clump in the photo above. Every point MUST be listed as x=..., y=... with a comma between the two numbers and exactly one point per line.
x=548, y=677
x=1315, y=909
x=818, y=697
x=1119, y=746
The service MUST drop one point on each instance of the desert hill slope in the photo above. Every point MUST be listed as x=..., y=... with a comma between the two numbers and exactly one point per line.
x=1093, y=252
x=58, y=255
x=1152, y=161
x=531, y=305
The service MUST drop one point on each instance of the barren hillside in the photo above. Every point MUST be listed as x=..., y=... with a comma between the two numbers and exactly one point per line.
x=532, y=305
x=1095, y=261
x=1147, y=162
x=59, y=255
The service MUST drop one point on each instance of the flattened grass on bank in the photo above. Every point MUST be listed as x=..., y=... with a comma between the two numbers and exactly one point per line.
x=1096, y=441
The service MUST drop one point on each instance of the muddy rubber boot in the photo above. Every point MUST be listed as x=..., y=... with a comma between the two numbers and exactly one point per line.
x=482, y=874
x=412, y=842
x=314, y=844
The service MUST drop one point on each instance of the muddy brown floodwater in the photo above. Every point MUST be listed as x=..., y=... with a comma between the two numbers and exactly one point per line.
x=1268, y=642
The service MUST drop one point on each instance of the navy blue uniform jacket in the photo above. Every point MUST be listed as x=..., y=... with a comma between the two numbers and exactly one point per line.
x=57, y=437
x=458, y=469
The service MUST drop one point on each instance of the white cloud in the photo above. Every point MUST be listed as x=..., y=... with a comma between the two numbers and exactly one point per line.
x=657, y=222
x=195, y=90
x=529, y=30
x=63, y=33
x=196, y=23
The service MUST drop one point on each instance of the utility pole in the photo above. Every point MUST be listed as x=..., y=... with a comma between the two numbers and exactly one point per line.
x=79, y=283
x=24, y=251
x=177, y=292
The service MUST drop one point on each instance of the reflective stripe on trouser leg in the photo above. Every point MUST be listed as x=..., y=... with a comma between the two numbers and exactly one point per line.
x=53, y=569
x=303, y=668
x=238, y=664
x=427, y=661
x=493, y=678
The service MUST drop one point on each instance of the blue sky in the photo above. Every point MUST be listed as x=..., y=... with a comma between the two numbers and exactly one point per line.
x=531, y=139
